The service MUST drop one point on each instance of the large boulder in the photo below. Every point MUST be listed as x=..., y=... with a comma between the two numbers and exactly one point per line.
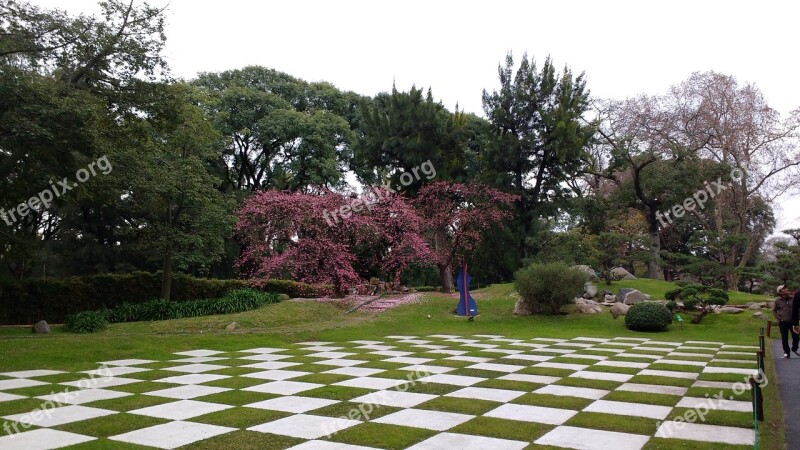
x=630, y=296
x=590, y=273
x=589, y=291
x=585, y=306
x=754, y=306
x=619, y=309
x=233, y=326
x=731, y=310
x=522, y=308
x=41, y=327
x=621, y=274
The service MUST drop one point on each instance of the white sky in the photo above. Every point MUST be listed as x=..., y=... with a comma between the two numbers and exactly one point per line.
x=625, y=47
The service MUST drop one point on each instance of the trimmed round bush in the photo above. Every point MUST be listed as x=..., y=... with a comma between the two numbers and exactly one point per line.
x=648, y=316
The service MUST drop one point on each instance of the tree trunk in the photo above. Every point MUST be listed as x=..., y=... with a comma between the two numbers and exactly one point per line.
x=166, y=276
x=653, y=266
x=446, y=278
x=732, y=281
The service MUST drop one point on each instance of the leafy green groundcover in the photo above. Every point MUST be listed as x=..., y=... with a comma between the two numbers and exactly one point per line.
x=159, y=309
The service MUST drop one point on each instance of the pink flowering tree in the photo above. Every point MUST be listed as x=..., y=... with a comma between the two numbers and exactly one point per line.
x=291, y=235
x=456, y=215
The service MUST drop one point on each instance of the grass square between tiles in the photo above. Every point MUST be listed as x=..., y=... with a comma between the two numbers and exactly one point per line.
x=377, y=435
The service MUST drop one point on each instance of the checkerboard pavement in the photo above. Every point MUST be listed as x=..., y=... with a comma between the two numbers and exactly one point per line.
x=417, y=392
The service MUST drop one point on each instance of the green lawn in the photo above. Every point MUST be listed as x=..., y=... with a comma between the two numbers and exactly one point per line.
x=282, y=324
x=657, y=289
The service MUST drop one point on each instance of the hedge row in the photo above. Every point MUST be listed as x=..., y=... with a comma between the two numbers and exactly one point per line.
x=53, y=299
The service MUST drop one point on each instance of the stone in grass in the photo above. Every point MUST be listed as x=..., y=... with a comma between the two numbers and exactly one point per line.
x=587, y=306
x=619, y=309
x=41, y=327
x=589, y=291
x=730, y=310
x=630, y=296
x=233, y=326
x=759, y=315
x=621, y=274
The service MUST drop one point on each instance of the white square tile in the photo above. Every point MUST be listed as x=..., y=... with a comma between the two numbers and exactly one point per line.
x=293, y=404
x=271, y=365
x=669, y=373
x=59, y=416
x=507, y=368
x=427, y=370
x=172, y=434
x=720, y=384
x=452, y=441
x=400, y=337
x=565, y=366
x=199, y=359
x=733, y=370
x=276, y=374
x=196, y=368
x=263, y=350
x=653, y=389
x=341, y=362
x=128, y=362
x=680, y=362
x=42, y=439
x=283, y=387
x=199, y=353
x=394, y=398
x=31, y=373
x=560, y=351
x=590, y=439
x=79, y=397
x=570, y=391
x=195, y=378
x=626, y=364
x=323, y=348
x=589, y=357
x=186, y=392
x=265, y=357
x=429, y=420
x=629, y=409
x=472, y=359
x=527, y=413
x=312, y=343
x=376, y=347
x=330, y=355
x=604, y=376
x=181, y=410
x=408, y=360
x=363, y=342
x=18, y=383
x=706, y=433
x=715, y=404
x=537, y=358
x=9, y=397
x=449, y=352
x=100, y=383
x=392, y=353
x=327, y=445
x=538, y=379
x=475, y=345
x=355, y=371
x=455, y=380
x=115, y=371
x=495, y=395
x=370, y=383
x=305, y=426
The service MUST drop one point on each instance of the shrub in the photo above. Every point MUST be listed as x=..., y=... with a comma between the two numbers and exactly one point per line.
x=292, y=288
x=648, y=316
x=548, y=287
x=86, y=322
x=698, y=300
x=425, y=289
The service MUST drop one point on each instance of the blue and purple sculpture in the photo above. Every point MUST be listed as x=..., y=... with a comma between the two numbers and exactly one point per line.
x=466, y=304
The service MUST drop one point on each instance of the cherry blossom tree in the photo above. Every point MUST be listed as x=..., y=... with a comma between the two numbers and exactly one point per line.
x=289, y=235
x=455, y=216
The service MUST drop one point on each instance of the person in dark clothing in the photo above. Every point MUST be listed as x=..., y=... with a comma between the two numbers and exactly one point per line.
x=786, y=313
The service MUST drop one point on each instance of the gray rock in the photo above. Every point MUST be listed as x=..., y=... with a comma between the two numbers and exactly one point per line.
x=731, y=310
x=759, y=315
x=754, y=306
x=233, y=326
x=622, y=274
x=619, y=309
x=522, y=308
x=610, y=298
x=41, y=327
x=589, y=308
x=607, y=292
x=630, y=296
x=590, y=273
x=589, y=291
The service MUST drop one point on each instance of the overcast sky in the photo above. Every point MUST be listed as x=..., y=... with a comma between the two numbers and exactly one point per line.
x=625, y=47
